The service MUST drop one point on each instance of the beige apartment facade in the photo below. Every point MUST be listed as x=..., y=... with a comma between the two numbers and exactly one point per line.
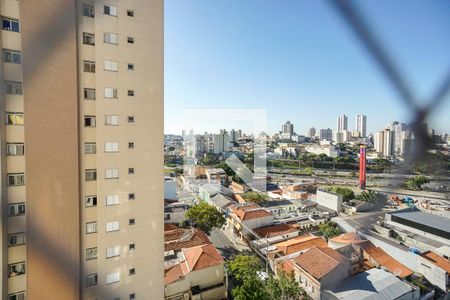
x=81, y=102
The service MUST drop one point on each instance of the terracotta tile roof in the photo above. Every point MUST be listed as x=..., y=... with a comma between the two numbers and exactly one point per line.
x=300, y=243
x=195, y=258
x=319, y=262
x=170, y=226
x=202, y=257
x=184, y=238
x=249, y=212
x=347, y=238
x=438, y=260
x=286, y=266
x=173, y=274
x=275, y=230
x=385, y=260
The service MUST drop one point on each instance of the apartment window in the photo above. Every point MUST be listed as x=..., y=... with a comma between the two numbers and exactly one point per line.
x=110, y=38
x=15, y=149
x=89, y=94
x=130, y=40
x=132, y=271
x=90, y=175
x=112, y=200
x=12, y=56
x=88, y=11
x=130, y=67
x=16, y=179
x=130, y=119
x=91, y=279
x=112, y=251
x=89, y=66
x=16, y=239
x=131, y=196
x=130, y=13
x=112, y=226
x=88, y=38
x=17, y=296
x=132, y=296
x=132, y=247
x=131, y=93
x=113, y=277
x=130, y=145
x=91, y=201
x=90, y=148
x=110, y=93
x=112, y=173
x=110, y=10
x=91, y=227
x=16, y=209
x=89, y=121
x=111, y=65
x=91, y=253
x=13, y=88
x=16, y=269
x=111, y=147
x=130, y=171
x=112, y=120
x=10, y=24
x=14, y=118
x=131, y=221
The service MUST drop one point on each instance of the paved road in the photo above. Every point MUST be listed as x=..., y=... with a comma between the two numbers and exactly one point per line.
x=226, y=247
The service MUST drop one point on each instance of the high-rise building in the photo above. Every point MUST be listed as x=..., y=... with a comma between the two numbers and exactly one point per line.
x=221, y=142
x=388, y=142
x=287, y=128
x=379, y=142
x=326, y=134
x=361, y=125
x=311, y=132
x=342, y=123
x=81, y=94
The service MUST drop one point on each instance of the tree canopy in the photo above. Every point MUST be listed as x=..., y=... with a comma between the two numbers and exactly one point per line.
x=248, y=285
x=346, y=193
x=416, y=182
x=329, y=229
x=205, y=216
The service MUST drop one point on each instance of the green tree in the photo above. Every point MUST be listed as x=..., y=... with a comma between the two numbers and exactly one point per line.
x=205, y=216
x=284, y=287
x=416, y=182
x=347, y=194
x=243, y=269
x=367, y=196
x=329, y=229
x=255, y=197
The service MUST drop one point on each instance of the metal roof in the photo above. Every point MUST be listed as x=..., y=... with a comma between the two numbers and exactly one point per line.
x=374, y=284
x=427, y=219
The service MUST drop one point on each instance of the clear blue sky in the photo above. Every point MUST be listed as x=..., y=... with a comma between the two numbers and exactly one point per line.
x=299, y=60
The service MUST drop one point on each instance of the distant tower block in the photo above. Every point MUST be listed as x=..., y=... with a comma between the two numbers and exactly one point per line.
x=362, y=166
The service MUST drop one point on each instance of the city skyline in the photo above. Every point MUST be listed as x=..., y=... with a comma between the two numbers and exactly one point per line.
x=231, y=64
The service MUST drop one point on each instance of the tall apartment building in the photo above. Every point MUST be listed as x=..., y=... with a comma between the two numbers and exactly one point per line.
x=287, y=128
x=326, y=134
x=342, y=123
x=81, y=108
x=361, y=125
x=311, y=132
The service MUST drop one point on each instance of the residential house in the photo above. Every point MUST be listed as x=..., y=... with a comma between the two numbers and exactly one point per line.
x=292, y=248
x=243, y=218
x=200, y=275
x=319, y=269
x=377, y=257
x=435, y=268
